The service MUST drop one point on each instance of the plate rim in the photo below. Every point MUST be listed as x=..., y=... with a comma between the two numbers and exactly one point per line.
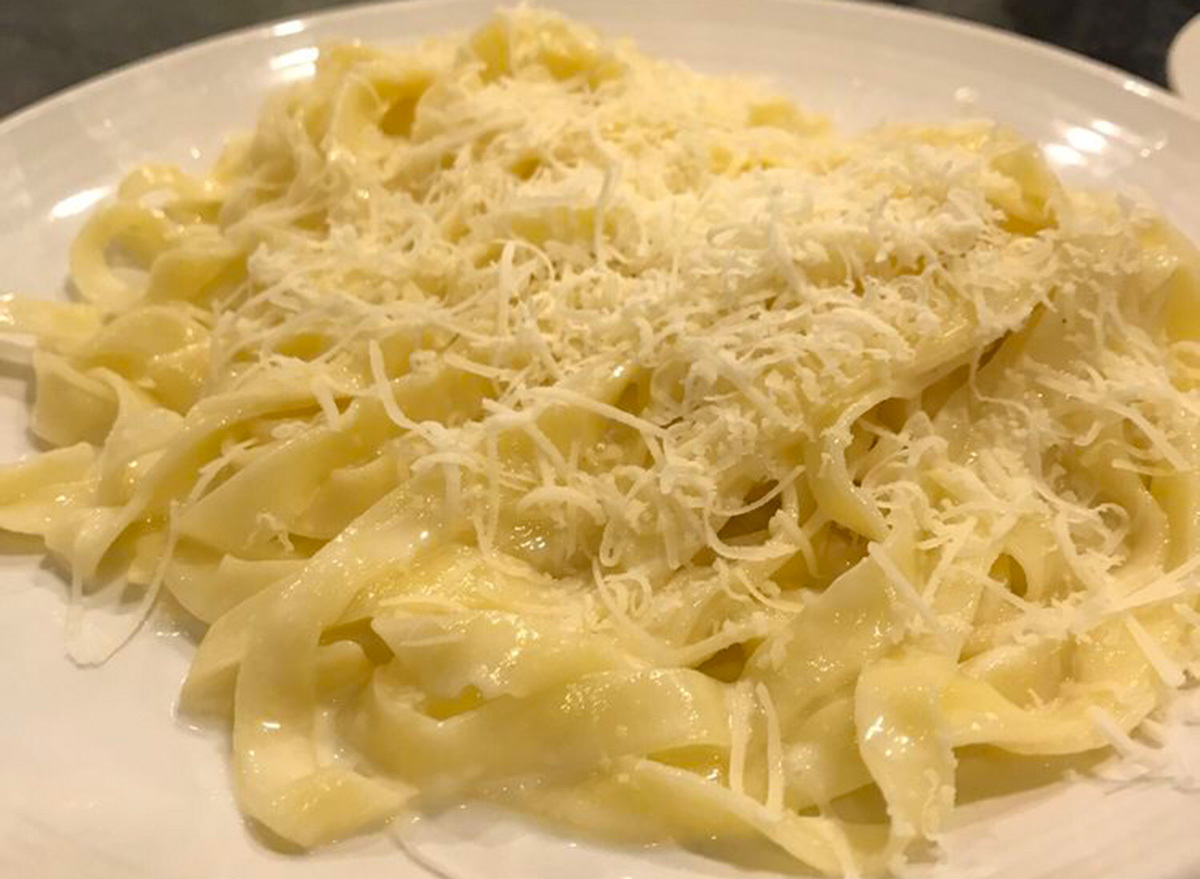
x=1113, y=76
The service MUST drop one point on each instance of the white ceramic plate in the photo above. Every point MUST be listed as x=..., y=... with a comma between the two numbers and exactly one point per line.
x=99, y=779
x=1183, y=62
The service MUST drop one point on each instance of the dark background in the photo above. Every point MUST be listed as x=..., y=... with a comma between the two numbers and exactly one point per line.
x=46, y=45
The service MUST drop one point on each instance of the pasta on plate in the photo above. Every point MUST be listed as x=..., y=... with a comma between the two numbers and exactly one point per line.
x=527, y=418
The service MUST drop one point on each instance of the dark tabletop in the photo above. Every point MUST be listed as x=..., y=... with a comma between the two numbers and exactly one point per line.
x=46, y=45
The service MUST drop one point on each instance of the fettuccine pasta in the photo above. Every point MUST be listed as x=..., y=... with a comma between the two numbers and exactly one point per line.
x=526, y=418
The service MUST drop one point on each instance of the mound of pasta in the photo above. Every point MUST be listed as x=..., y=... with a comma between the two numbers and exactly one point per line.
x=529, y=419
